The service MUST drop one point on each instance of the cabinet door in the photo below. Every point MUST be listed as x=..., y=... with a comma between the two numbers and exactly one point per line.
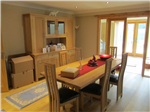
x=54, y=59
x=51, y=28
x=39, y=65
x=61, y=27
x=38, y=36
x=70, y=34
x=71, y=56
x=55, y=28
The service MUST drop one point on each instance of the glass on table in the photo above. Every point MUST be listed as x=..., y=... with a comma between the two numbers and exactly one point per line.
x=80, y=66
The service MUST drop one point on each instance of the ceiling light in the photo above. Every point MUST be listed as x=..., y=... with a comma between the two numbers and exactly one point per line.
x=76, y=7
x=107, y=2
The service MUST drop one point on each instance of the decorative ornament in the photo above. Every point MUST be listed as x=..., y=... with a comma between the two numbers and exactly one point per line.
x=76, y=27
x=53, y=13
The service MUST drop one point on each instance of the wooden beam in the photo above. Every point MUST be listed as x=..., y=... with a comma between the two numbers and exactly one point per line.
x=124, y=15
x=124, y=35
x=98, y=35
x=108, y=28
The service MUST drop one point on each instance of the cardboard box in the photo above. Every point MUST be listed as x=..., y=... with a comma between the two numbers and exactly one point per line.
x=22, y=79
x=70, y=72
x=21, y=64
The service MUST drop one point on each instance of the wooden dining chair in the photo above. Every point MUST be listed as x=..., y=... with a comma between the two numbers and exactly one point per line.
x=63, y=58
x=61, y=97
x=113, y=51
x=78, y=54
x=63, y=61
x=118, y=80
x=97, y=90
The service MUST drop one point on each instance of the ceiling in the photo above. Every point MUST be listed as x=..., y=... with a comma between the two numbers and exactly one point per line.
x=86, y=8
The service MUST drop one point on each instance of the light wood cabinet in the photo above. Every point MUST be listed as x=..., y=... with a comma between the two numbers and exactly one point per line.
x=34, y=33
x=54, y=59
x=40, y=30
x=39, y=65
x=70, y=34
x=51, y=57
x=41, y=59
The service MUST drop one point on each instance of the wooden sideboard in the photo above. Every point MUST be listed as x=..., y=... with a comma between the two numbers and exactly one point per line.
x=52, y=57
x=40, y=30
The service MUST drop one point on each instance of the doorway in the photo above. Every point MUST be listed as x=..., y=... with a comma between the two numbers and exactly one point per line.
x=116, y=36
x=135, y=38
x=111, y=33
x=136, y=33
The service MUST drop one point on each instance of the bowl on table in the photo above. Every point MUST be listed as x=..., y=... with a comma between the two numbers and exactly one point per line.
x=105, y=56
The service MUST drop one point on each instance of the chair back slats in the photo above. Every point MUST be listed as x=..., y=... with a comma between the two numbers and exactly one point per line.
x=63, y=58
x=50, y=74
x=113, y=51
x=106, y=81
x=78, y=54
x=123, y=66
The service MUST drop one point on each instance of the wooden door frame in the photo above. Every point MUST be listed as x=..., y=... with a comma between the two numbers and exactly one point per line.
x=130, y=54
x=4, y=79
x=108, y=28
x=98, y=35
x=3, y=73
x=124, y=33
x=136, y=54
x=145, y=44
x=135, y=36
x=126, y=15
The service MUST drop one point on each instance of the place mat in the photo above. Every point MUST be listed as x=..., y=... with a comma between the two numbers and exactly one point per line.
x=87, y=68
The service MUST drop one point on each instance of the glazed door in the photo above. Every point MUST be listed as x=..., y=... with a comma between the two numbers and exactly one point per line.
x=135, y=38
x=117, y=35
x=130, y=38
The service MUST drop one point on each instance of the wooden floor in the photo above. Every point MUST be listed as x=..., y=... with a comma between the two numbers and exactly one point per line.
x=136, y=96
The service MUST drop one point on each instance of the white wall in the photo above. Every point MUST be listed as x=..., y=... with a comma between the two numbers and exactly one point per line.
x=86, y=35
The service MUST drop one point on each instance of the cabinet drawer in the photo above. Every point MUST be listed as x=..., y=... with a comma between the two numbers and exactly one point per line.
x=44, y=60
x=42, y=57
x=53, y=55
x=71, y=51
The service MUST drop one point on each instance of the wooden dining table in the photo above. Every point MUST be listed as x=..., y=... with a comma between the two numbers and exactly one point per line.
x=87, y=78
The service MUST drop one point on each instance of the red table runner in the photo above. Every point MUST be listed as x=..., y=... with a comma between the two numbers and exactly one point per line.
x=87, y=68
